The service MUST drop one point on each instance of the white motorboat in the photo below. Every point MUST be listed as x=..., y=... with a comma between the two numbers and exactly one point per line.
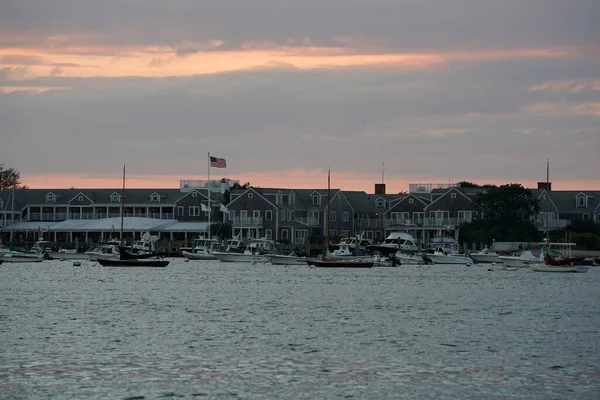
x=559, y=268
x=203, y=249
x=443, y=257
x=485, y=256
x=289, y=259
x=396, y=241
x=256, y=251
x=18, y=257
x=407, y=259
x=105, y=248
x=525, y=260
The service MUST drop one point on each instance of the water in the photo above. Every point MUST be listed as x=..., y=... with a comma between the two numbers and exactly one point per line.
x=215, y=330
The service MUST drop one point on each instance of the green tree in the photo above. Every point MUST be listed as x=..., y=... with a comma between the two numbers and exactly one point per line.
x=222, y=230
x=510, y=202
x=9, y=178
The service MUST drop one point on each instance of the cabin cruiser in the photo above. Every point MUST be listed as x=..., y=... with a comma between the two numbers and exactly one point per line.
x=396, y=241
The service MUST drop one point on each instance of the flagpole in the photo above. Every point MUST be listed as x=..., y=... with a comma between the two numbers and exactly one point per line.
x=208, y=193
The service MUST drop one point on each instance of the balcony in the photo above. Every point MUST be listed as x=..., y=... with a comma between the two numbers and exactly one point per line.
x=431, y=222
x=369, y=223
x=248, y=222
x=65, y=216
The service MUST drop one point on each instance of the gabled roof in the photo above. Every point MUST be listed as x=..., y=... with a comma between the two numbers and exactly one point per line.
x=191, y=193
x=80, y=194
x=253, y=190
x=448, y=191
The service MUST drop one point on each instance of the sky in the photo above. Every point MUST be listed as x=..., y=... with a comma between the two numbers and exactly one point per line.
x=408, y=91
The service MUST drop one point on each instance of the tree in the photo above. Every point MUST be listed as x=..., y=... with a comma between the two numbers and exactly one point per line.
x=9, y=178
x=222, y=230
x=510, y=202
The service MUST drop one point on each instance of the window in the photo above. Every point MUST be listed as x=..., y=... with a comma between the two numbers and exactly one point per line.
x=581, y=200
x=345, y=216
x=453, y=195
x=332, y=233
x=380, y=203
x=243, y=215
x=256, y=213
x=50, y=197
x=155, y=198
x=279, y=198
x=292, y=199
x=180, y=211
x=284, y=234
x=378, y=234
x=291, y=215
x=332, y=216
x=345, y=233
x=465, y=216
x=194, y=211
x=115, y=197
x=369, y=234
x=268, y=233
x=300, y=233
x=586, y=216
x=315, y=198
x=418, y=216
x=231, y=215
x=269, y=215
x=194, y=194
x=411, y=201
x=250, y=195
x=282, y=215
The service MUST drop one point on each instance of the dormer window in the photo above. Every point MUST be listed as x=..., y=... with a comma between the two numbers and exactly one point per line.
x=115, y=197
x=279, y=198
x=380, y=203
x=155, y=198
x=581, y=201
x=51, y=197
x=315, y=198
x=452, y=195
x=292, y=199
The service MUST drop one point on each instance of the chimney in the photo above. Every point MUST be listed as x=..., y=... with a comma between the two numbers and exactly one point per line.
x=380, y=188
x=545, y=185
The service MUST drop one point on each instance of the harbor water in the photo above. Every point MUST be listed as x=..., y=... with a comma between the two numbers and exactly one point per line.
x=222, y=330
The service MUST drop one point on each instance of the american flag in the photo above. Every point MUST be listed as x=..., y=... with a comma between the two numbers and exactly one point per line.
x=216, y=162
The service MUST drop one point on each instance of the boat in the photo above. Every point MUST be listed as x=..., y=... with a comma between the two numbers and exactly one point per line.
x=134, y=262
x=485, y=256
x=525, y=260
x=141, y=254
x=440, y=256
x=256, y=251
x=286, y=259
x=340, y=262
x=406, y=259
x=202, y=250
x=104, y=248
x=396, y=241
x=18, y=257
x=555, y=261
x=355, y=244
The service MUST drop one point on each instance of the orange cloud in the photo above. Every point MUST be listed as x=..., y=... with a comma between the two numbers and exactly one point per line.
x=572, y=86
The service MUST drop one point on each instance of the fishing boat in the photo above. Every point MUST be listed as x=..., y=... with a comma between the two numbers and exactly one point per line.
x=485, y=256
x=525, y=260
x=257, y=250
x=203, y=249
x=134, y=262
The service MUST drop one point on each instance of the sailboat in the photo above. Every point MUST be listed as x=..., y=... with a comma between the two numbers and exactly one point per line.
x=556, y=262
x=121, y=257
x=328, y=261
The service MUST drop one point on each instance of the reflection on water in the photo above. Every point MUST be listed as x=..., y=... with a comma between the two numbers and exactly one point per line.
x=259, y=331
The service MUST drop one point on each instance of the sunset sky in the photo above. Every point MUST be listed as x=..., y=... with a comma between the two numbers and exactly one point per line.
x=439, y=90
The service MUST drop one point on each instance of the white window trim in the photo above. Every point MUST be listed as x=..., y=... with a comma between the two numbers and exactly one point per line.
x=268, y=215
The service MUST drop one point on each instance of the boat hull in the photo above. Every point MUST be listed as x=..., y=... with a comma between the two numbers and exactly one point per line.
x=559, y=268
x=449, y=259
x=239, y=257
x=278, y=259
x=8, y=258
x=198, y=256
x=337, y=263
x=143, y=262
x=485, y=258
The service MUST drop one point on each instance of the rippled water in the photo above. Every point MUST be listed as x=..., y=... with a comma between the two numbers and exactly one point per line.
x=259, y=331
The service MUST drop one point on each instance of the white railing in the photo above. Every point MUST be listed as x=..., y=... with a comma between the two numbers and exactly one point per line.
x=65, y=216
x=248, y=221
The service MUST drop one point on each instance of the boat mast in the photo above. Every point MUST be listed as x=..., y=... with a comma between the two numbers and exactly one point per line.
x=123, y=206
x=328, y=212
x=547, y=206
x=209, y=236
